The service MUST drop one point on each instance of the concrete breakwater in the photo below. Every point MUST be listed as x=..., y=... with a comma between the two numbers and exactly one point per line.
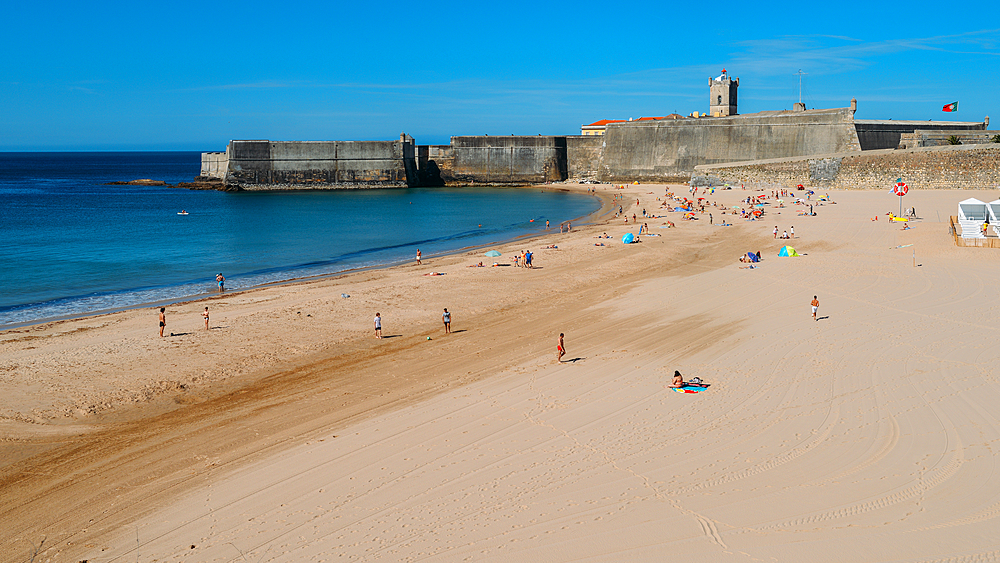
x=646, y=150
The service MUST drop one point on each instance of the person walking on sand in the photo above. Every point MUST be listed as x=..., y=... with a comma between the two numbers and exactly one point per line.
x=792, y=231
x=446, y=319
x=815, y=306
x=560, y=348
x=775, y=231
x=222, y=282
x=163, y=320
x=418, y=257
x=378, y=325
x=204, y=315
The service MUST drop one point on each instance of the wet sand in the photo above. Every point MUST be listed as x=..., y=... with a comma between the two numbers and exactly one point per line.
x=288, y=433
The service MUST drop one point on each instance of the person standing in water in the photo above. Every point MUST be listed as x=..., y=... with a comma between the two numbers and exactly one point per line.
x=222, y=282
x=446, y=318
x=418, y=257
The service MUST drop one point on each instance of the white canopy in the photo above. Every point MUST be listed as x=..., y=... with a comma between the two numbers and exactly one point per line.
x=972, y=210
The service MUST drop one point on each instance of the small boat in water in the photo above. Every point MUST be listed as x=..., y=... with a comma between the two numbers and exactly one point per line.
x=182, y=212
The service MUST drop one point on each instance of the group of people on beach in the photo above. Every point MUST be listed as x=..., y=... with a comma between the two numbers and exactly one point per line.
x=445, y=318
x=163, y=319
x=784, y=234
x=220, y=280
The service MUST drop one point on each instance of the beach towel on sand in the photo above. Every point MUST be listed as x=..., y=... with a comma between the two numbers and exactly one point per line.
x=691, y=388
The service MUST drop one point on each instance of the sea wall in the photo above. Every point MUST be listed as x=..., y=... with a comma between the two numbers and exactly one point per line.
x=507, y=160
x=669, y=150
x=944, y=167
x=583, y=156
x=266, y=165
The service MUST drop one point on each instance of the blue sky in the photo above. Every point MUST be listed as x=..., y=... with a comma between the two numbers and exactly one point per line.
x=192, y=76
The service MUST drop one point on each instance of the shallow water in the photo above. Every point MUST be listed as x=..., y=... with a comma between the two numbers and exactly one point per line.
x=70, y=245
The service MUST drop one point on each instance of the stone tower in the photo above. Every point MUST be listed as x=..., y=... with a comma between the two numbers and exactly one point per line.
x=722, y=99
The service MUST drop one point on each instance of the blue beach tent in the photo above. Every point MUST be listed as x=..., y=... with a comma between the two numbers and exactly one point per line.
x=628, y=238
x=787, y=251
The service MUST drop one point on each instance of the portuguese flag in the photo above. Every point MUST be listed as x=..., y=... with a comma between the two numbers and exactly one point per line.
x=950, y=107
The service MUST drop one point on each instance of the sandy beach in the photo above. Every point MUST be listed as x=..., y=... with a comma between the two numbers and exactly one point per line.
x=287, y=432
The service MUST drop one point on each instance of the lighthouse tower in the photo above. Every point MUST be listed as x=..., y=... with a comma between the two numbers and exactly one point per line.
x=722, y=95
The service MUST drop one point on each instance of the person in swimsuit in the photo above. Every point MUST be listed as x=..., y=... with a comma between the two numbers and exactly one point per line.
x=418, y=257
x=205, y=316
x=378, y=325
x=560, y=348
x=222, y=282
x=815, y=306
x=678, y=380
x=446, y=318
x=163, y=320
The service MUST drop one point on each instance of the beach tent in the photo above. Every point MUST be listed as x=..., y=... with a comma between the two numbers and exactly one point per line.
x=972, y=214
x=628, y=238
x=787, y=251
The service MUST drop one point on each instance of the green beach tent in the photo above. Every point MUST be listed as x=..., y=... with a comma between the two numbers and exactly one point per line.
x=787, y=251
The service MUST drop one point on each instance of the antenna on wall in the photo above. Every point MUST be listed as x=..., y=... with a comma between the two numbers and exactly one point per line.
x=800, y=74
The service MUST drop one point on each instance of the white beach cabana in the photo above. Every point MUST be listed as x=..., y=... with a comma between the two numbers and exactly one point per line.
x=993, y=210
x=972, y=214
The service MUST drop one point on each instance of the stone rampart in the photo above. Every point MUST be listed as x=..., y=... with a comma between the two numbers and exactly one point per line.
x=669, y=150
x=583, y=156
x=265, y=165
x=945, y=167
x=507, y=160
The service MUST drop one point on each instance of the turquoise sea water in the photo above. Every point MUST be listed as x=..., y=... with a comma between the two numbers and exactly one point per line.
x=71, y=246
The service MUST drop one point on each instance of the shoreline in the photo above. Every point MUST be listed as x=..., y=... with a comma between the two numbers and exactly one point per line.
x=586, y=219
x=143, y=398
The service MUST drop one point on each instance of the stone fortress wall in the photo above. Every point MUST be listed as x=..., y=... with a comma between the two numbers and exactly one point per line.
x=825, y=147
x=669, y=150
x=267, y=165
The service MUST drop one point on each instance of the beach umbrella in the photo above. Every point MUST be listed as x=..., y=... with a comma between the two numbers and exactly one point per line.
x=492, y=254
x=628, y=238
x=787, y=251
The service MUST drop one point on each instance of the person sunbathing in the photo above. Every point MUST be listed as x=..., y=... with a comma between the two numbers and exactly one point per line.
x=678, y=380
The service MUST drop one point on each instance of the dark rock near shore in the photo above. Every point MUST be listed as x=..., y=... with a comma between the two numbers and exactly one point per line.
x=141, y=182
x=199, y=183
x=202, y=183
